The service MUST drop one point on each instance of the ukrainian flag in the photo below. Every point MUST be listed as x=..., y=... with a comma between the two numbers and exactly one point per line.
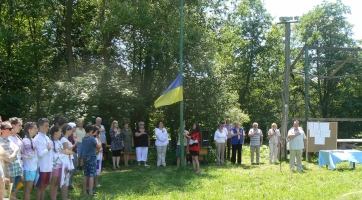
x=173, y=94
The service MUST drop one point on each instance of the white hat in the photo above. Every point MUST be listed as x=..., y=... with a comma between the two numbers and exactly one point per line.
x=72, y=124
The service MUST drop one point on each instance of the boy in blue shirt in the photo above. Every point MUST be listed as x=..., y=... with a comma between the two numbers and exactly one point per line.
x=90, y=159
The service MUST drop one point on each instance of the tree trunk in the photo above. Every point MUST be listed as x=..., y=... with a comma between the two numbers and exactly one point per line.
x=68, y=38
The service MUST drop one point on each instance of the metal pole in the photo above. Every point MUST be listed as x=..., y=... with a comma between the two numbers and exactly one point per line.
x=306, y=71
x=182, y=160
x=306, y=81
x=286, y=89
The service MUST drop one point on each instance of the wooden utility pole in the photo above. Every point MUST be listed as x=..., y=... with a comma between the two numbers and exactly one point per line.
x=285, y=108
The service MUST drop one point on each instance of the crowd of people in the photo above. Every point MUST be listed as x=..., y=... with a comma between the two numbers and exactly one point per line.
x=227, y=136
x=51, y=156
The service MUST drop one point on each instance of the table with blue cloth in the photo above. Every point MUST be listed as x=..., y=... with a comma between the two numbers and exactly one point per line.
x=332, y=157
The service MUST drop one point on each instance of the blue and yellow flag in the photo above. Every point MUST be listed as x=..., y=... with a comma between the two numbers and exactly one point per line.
x=173, y=94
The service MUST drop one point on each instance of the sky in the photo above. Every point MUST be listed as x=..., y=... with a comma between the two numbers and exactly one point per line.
x=278, y=8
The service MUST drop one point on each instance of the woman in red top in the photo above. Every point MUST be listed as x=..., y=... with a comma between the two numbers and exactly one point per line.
x=194, y=146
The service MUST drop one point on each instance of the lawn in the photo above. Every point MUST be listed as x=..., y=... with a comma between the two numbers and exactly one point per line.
x=264, y=181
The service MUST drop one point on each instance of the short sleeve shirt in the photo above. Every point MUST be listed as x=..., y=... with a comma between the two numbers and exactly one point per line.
x=89, y=148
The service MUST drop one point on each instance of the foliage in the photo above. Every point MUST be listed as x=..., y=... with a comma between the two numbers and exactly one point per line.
x=113, y=59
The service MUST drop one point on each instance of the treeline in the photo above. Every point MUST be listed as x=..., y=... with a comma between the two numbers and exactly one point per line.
x=111, y=58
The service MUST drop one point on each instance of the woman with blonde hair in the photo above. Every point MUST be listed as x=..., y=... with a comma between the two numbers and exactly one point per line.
x=274, y=141
x=79, y=134
x=116, y=143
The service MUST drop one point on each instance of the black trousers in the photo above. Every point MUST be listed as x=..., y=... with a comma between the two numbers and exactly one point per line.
x=236, y=147
x=229, y=147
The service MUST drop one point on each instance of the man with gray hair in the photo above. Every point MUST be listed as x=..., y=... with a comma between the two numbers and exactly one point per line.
x=297, y=144
x=228, y=126
x=256, y=140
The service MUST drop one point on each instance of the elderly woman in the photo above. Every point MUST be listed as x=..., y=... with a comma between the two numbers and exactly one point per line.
x=161, y=143
x=297, y=144
x=237, y=140
x=141, y=143
x=116, y=143
x=274, y=141
x=220, y=139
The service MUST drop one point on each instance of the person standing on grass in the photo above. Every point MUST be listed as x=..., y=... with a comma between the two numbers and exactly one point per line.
x=141, y=142
x=116, y=143
x=274, y=141
x=228, y=128
x=256, y=141
x=178, y=147
x=45, y=159
x=161, y=143
x=14, y=170
x=60, y=162
x=127, y=142
x=16, y=124
x=220, y=138
x=30, y=157
x=194, y=146
x=67, y=165
x=79, y=134
x=90, y=159
x=3, y=179
x=74, y=142
x=99, y=154
x=297, y=144
x=237, y=141
x=102, y=132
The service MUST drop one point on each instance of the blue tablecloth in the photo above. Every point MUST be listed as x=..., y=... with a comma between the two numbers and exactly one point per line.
x=332, y=157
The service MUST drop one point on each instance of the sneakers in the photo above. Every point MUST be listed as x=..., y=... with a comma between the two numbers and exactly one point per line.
x=146, y=165
x=99, y=185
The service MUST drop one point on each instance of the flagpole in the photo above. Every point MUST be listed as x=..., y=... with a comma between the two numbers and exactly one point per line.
x=182, y=160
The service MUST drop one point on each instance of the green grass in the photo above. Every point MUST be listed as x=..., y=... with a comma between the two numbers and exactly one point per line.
x=265, y=181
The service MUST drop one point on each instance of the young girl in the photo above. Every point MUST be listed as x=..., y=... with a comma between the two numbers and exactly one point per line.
x=194, y=146
x=16, y=124
x=67, y=130
x=99, y=155
x=30, y=157
x=58, y=160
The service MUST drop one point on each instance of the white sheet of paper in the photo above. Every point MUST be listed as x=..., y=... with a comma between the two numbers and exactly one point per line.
x=310, y=125
x=324, y=126
x=325, y=133
x=315, y=133
x=312, y=133
x=319, y=140
x=316, y=125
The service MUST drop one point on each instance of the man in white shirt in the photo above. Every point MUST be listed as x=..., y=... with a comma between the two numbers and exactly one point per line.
x=297, y=144
x=45, y=160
